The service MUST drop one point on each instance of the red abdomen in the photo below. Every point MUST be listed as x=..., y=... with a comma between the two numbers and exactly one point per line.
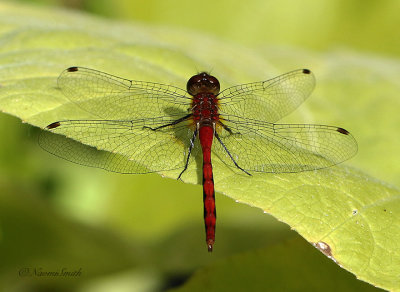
x=205, y=115
x=206, y=136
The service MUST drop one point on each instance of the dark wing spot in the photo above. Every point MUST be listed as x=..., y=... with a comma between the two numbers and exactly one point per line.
x=72, y=69
x=53, y=125
x=343, y=131
x=306, y=71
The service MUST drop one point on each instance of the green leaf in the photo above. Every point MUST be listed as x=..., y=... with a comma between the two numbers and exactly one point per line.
x=346, y=214
x=351, y=217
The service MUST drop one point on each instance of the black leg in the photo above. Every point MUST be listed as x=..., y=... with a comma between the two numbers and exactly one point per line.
x=170, y=124
x=225, y=127
x=190, y=151
x=227, y=151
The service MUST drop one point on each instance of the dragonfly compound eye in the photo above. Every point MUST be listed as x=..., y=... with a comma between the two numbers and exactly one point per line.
x=202, y=83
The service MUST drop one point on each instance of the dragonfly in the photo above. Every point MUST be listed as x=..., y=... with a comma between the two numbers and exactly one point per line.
x=143, y=127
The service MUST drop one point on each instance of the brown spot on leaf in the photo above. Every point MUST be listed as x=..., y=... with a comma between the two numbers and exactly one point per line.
x=325, y=249
x=306, y=71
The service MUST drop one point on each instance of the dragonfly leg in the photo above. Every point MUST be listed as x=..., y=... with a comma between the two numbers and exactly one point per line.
x=225, y=127
x=227, y=151
x=190, y=151
x=170, y=124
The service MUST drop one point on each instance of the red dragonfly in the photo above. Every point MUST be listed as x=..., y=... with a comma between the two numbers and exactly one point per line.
x=143, y=127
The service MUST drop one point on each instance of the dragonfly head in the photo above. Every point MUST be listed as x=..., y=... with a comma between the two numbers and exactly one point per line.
x=202, y=83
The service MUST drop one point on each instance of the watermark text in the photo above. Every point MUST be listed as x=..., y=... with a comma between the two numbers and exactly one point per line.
x=42, y=272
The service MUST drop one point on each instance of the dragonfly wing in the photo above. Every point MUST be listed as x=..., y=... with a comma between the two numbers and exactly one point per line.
x=110, y=97
x=119, y=146
x=277, y=148
x=269, y=100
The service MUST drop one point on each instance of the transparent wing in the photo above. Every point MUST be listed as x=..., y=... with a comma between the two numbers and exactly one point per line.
x=120, y=146
x=269, y=100
x=110, y=97
x=276, y=148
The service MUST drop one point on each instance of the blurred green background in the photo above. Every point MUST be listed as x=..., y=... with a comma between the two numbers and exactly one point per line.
x=146, y=233
x=369, y=26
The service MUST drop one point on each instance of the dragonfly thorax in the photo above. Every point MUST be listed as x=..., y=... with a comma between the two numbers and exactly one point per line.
x=205, y=108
